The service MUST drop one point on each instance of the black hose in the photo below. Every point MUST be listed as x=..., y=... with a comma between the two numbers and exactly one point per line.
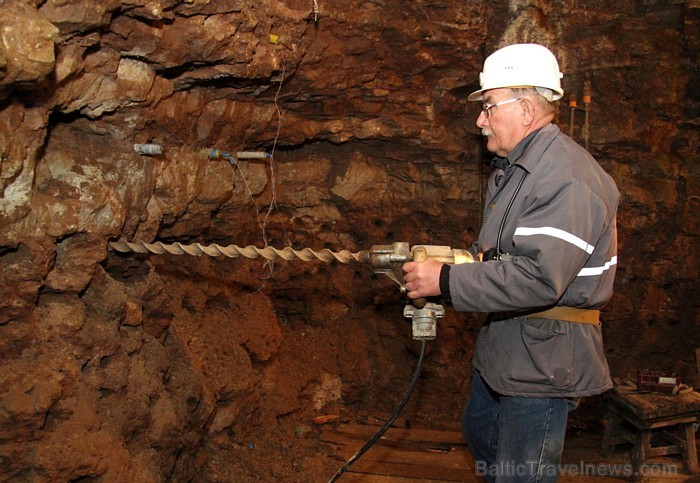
x=389, y=421
x=505, y=215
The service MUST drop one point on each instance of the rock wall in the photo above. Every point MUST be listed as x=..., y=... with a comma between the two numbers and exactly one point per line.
x=132, y=367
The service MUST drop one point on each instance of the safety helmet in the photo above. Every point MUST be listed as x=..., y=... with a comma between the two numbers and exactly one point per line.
x=520, y=65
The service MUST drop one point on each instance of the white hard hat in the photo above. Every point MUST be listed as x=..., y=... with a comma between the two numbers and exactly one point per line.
x=520, y=65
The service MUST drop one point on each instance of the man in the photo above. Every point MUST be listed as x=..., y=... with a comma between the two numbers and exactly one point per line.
x=549, y=248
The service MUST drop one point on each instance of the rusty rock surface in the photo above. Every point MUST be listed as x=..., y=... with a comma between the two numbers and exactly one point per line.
x=147, y=368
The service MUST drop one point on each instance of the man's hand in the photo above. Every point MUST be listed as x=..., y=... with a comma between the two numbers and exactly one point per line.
x=422, y=279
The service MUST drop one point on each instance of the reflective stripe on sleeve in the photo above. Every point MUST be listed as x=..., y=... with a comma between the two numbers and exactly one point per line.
x=557, y=233
x=592, y=271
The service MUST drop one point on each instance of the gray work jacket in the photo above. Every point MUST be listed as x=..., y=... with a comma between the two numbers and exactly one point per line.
x=561, y=239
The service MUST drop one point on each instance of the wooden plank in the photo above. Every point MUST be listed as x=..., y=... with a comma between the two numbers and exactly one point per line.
x=450, y=458
x=414, y=471
x=355, y=444
x=427, y=455
x=400, y=434
x=368, y=478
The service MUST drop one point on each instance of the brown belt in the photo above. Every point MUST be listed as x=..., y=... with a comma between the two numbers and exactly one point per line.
x=569, y=314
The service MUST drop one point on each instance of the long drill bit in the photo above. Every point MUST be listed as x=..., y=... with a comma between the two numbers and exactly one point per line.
x=233, y=251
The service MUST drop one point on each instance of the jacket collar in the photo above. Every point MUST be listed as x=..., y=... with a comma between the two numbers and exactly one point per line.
x=512, y=157
x=528, y=157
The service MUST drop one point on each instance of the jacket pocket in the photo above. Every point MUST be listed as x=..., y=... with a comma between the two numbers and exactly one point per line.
x=549, y=346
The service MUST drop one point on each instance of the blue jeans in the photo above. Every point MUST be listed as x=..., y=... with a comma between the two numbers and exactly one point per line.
x=515, y=439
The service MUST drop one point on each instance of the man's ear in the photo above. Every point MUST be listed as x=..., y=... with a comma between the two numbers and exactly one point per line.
x=529, y=111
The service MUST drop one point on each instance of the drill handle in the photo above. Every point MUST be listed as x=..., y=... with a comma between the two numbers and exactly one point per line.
x=420, y=254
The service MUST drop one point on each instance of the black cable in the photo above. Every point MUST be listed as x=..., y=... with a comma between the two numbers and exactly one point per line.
x=505, y=215
x=389, y=421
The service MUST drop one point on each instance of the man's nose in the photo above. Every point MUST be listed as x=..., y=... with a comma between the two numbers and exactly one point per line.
x=482, y=121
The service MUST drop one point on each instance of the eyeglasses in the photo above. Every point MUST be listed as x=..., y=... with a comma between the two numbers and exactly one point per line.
x=486, y=108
